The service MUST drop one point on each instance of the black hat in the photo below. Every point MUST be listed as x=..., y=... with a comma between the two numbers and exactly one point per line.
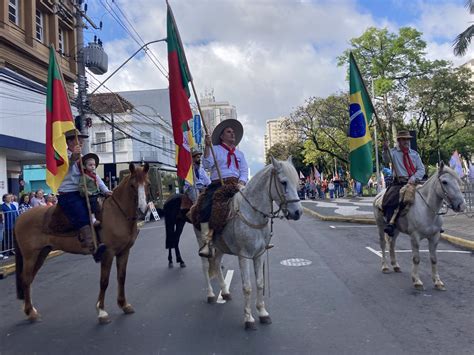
x=88, y=156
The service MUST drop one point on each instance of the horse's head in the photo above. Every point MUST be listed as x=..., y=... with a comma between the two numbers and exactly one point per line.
x=450, y=188
x=138, y=181
x=284, y=187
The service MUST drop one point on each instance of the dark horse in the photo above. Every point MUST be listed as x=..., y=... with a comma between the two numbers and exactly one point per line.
x=175, y=219
x=118, y=232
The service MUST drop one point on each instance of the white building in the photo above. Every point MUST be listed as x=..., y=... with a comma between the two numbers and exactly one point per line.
x=145, y=116
x=277, y=132
x=216, y=111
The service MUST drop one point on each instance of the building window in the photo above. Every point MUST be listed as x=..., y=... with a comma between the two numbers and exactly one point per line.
x=100, y=138
x=13, y=13
x=61, y=40
x=39, y=26
x=146, y=137
x=119, y=142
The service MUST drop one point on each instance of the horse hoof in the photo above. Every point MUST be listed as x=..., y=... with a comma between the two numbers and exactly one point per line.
x=419, y=287
x=34, y=317
x=250, y=326
x=440, y=287
x=104, y=320
x=397, y=269
x=265, y=320
x=128, y=309
x=170, y=265
x=211, y=300
x=385, y=270
x=182, y=264
x=227, y=296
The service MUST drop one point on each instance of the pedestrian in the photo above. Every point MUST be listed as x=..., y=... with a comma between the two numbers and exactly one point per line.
x=50, y=200
x=39, y=199
x=331, y=188
x=24, y=203
x=10, y=214
x=2, y=255
x=15, y=202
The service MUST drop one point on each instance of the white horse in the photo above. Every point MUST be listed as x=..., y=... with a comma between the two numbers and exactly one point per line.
x=247, y=233
x=423, y=221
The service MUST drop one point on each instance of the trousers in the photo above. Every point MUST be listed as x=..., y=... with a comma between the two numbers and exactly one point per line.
x=75, y=208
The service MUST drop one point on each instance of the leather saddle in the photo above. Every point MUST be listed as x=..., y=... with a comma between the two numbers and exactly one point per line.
x=56, y=222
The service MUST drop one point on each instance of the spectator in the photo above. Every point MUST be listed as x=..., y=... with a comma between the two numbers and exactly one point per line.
x=38, y=200
x=14, y=201
x=331, y=188
x=50, y=200
x=10, y=214
x=24, y=203
x=2, y=256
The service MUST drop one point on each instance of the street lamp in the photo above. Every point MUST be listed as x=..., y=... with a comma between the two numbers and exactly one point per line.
x=120, y=67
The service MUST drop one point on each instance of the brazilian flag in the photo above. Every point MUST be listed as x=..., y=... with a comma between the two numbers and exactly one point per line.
x=360, y=112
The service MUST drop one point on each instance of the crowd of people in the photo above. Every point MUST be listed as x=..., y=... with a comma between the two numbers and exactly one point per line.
x=334, y=187
x=11, y=208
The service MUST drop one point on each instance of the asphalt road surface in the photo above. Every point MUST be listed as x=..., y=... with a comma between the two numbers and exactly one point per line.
x=340, y=303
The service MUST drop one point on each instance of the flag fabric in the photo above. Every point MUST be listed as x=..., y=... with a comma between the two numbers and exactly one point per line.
x=317, y=175
x=455, y=164
x=179, y=78
x=58, y=121
x=197, y=129
x=301, y=175
x=360, y=112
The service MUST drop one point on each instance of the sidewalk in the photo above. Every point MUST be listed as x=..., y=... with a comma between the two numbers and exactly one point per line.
x=458, y=227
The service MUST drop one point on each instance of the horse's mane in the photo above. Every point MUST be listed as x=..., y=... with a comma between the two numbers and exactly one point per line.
x=288, y=169
x=448, y=170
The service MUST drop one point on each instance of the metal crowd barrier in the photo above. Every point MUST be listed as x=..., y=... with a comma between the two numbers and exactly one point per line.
x=7, y=224
x=468, y=190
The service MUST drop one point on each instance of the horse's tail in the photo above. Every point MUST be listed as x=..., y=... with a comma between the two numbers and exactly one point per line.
x=18, y=269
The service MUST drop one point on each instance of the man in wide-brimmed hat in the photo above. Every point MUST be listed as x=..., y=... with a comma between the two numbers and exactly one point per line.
x=201, y=180
x=232, y=165
x=70, y=199
x=408, y=169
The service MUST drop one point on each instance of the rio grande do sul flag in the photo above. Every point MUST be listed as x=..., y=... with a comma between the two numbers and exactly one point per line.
x=360, y=112
x=58, y=120
x=179, y=78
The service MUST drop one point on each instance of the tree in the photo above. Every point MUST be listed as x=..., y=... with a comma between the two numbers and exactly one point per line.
x=463, y=40
x=390, y=60
x=278, y=151
x=443, y=109
x=324, y=122
x=295, y=150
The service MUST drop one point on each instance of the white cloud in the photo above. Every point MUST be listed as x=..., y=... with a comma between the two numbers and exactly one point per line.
x=265, y=57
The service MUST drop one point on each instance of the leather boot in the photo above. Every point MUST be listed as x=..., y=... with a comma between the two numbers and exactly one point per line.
x=206, y=235
x=85, y=237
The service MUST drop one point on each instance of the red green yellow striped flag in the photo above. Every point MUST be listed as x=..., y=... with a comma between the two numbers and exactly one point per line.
x=179, y=78
x=58, y=120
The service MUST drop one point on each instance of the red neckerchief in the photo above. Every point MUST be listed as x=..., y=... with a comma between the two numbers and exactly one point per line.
x=91, y=175
x=407, y=162
x=230, y=153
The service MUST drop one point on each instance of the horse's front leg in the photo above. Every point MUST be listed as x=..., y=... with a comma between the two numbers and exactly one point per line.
x=224, y=288
x=247, y=290
x=415, y=248
x=433, y=245
x=263, y=315
x=122, y=260
x=211, y=297
x=105, y=266
x=393, y=255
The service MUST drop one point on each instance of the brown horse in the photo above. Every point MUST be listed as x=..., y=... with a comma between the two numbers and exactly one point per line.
x=119, y=232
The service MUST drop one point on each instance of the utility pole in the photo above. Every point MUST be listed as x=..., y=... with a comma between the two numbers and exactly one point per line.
x=81, y=69
x=113, y=136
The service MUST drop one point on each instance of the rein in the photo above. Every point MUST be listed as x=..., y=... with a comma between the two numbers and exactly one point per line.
x=130, y=219
x=445, y=197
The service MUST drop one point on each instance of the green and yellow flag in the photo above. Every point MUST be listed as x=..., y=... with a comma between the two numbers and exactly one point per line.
x=360, y=112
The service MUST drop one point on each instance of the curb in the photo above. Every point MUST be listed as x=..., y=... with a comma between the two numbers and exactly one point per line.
x=460, y=242
x=10, y=268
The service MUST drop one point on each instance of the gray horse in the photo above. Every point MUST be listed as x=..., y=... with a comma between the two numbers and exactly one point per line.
x=247, y=232
x=423, y=221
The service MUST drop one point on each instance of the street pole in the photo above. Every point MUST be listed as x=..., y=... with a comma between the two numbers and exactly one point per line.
x=81, y=73
x=113, y=137
x=377, y=167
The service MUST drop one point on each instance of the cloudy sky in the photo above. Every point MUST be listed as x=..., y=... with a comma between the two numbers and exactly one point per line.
x=264, y=56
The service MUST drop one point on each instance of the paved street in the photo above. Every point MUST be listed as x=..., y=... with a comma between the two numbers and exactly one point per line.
x=340, y=303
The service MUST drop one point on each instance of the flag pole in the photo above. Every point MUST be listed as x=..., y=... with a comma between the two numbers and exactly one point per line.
x=377, y=120
x=377, y=166
x=194, y=92
x=81, y=167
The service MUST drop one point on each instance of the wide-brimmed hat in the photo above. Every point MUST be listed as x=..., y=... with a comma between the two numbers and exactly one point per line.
x=404, y=134
x=232, y=123
x=195, y=152
x=88, y=156
x=72, y=133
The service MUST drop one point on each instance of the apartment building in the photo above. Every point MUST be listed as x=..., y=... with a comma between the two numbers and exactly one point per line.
x=276, y=132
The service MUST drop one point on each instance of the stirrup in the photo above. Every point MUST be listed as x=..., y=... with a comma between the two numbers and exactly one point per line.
x=389, y=229
x=206, y=255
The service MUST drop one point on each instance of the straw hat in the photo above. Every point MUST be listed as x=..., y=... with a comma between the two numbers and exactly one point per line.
x=72, y=134
x=88, y=156
x=232, y=123
x=404, y=135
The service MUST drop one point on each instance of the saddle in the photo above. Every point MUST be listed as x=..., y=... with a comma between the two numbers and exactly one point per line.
x=56, y=222
x=407, y=198
x=221, y=207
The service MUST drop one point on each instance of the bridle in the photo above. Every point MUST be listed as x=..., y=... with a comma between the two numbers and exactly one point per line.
x=129, y=219
x=445, y=197
x=282, y=206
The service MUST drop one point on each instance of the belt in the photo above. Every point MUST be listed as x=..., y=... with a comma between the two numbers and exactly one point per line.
x=229, y=180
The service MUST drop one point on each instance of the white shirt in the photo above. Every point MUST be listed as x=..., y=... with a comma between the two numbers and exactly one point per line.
x=241, y=172
x=200, y=182
x=71, y=180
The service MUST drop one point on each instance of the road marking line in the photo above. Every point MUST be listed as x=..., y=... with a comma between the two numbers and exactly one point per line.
x=228, y=280
x=379, y=253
